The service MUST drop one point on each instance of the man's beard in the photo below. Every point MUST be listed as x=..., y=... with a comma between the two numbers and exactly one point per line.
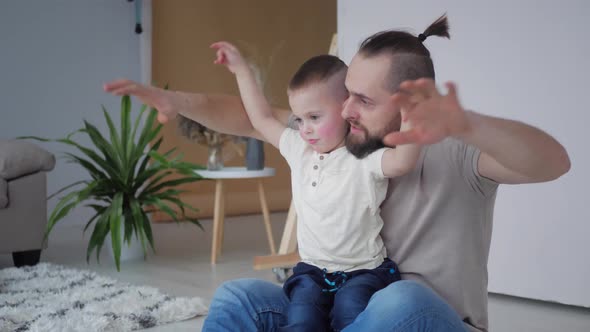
x=364, y=148
x=371, y=143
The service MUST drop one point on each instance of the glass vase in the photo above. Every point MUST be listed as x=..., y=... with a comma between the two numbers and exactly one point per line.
x=215, y=157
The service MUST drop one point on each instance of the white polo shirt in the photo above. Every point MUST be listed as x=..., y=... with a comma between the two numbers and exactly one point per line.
x=337, y=198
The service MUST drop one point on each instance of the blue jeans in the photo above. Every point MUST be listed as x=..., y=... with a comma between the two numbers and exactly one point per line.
x=322, y=302
x=403, y=306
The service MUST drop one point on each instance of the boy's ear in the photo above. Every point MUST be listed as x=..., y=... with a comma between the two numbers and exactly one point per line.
x=292, y=123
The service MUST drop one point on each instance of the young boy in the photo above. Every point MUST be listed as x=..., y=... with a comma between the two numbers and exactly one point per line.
x=336, y=195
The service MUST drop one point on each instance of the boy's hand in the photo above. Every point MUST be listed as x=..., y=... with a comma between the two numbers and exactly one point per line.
x=228, y=54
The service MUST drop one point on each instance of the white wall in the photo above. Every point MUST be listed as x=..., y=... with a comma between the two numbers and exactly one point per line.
x=525, y=60
x=54, y=58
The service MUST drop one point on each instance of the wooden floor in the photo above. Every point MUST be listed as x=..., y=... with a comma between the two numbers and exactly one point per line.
x=182, y=267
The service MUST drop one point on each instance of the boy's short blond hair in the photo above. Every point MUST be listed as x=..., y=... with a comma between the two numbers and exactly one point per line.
x=315, y=70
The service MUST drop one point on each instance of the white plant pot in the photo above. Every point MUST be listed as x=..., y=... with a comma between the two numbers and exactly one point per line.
x=131, y=252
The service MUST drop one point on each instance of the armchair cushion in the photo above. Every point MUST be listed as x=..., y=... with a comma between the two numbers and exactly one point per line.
x=18, y=158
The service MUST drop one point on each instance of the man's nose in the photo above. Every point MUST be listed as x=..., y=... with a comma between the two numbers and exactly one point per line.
x=348, y=110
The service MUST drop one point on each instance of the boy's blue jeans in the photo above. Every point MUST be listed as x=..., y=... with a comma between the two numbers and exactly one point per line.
x=322, y=302
x=257, y=305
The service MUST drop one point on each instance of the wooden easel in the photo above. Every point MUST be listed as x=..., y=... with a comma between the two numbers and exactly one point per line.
x=287, y=256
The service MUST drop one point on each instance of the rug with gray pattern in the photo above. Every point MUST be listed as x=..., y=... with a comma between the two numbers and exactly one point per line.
x=49, y=297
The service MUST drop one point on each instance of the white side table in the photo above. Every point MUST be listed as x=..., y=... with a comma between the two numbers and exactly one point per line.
x=219, y=208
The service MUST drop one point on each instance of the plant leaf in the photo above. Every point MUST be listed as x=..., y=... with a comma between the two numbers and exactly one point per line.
x=147, y=134
x=104, y=164
x=147, y=229
x=181, y=205
x=99, y=211
x=196, y=222
x=165, y=208
x=126, y=138
x=65, y=188
x=108, y=150
x=138, y=216
x=141, y=176
x=115, y=139
x=170, y=183
x=115, y=219
x=95, y=173
x=101, y=229
x=66, y=204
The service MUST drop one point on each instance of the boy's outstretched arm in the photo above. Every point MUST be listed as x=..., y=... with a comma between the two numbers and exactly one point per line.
x=220, y=112
x=259, y=111
x=401, y=160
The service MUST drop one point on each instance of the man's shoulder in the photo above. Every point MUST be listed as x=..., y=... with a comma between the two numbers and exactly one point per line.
x=449, y=149
x=449, y=143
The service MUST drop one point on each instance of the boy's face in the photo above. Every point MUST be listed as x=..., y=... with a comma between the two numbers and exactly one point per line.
x=369, y=109
x=317, y=109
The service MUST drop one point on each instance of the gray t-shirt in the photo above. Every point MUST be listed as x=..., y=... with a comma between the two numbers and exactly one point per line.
x=438, y=227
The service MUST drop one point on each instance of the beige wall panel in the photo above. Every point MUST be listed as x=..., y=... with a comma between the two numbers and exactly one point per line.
x=182, y=33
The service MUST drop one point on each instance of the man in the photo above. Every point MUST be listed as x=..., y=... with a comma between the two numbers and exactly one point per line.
x=438, y=218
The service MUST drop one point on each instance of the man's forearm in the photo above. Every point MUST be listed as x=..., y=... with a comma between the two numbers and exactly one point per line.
x=222, y=113
x=517, y=146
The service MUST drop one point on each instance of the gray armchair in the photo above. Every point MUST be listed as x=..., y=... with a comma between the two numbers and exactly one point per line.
x=23, y=200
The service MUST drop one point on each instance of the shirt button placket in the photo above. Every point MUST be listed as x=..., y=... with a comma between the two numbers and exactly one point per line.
x=316, y=167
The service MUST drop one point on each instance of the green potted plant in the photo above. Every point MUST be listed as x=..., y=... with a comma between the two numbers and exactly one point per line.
x=129, y=179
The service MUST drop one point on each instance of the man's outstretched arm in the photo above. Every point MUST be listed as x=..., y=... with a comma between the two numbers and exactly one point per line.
x=220, y=112
x=512, y=152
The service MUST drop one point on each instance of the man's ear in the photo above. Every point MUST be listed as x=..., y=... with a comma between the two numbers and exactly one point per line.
x=406, y=100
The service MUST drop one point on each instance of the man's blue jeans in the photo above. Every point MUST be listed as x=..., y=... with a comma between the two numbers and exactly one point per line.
x=257, y=305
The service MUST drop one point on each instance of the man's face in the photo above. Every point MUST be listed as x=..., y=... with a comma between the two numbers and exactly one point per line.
x=369, y=108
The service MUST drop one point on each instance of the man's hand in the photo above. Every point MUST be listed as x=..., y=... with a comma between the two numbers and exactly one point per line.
x=433, y=116
x=228, y=55
x=164, y=101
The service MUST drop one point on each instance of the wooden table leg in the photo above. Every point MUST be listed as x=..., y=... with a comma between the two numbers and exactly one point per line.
x=221, y=221
x=266, y=216
x=218, y=216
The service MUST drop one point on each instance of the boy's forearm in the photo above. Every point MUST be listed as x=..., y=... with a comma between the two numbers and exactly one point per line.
x=401, y=160
x=407, y=154
x=407, y=157
x=255, y=103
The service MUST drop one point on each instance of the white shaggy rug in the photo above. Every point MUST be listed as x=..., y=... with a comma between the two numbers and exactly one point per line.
x=49, y=297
